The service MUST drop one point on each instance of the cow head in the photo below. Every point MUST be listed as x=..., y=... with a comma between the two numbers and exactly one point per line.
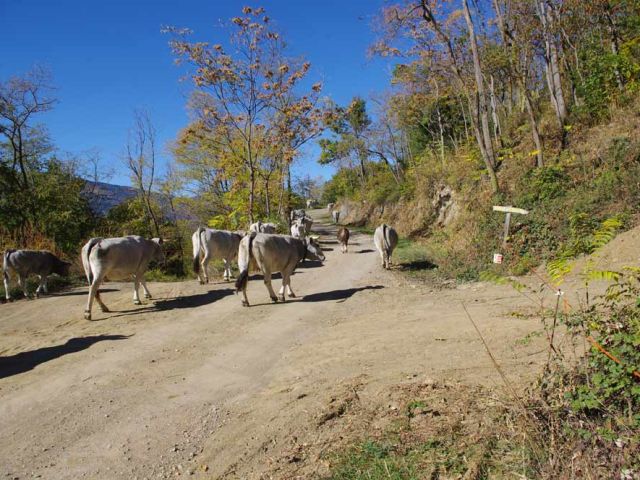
x=62, y=268
x=158, y=253
x=314, y=251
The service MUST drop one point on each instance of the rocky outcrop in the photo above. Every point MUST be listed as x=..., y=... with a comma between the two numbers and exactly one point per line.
x=410, y=217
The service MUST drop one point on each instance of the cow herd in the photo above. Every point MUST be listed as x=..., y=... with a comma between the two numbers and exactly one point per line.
x=129, y=257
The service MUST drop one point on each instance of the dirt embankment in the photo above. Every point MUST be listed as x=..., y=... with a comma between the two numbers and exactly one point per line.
x=439, y=208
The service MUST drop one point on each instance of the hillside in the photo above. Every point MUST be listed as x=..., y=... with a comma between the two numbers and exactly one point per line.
x=102, y=196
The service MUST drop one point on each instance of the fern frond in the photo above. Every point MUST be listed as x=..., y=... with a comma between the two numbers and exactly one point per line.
x=493, y=277
x=606, y=275
x=558, y=269
x=605, y=233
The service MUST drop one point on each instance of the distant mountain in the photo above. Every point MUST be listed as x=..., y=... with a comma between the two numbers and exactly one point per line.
x=102, y=197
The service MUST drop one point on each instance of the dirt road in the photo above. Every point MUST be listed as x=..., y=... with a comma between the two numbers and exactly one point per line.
x=192, y=383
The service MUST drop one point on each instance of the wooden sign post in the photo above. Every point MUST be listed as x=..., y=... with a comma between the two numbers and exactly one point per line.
x=507, y=219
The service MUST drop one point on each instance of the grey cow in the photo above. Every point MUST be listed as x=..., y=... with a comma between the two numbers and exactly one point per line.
x=274, y=253
x=298, y=213
x=214, y=244
x=260, y=227
x=298, y=230
x=385, y=239
x=31, y=262
x=118, y=259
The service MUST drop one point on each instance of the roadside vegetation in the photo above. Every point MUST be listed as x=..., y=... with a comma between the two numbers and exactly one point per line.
x=532, y=105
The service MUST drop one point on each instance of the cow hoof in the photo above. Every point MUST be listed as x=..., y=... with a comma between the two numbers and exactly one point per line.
x=105, y=310
x=87, y=315
x=282, y=299
x=245, y=304
x=148, y=296
x=274, y=299
x=292, y=295
x=137, y=302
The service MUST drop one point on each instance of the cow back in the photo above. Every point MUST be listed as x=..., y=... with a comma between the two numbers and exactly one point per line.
x=28, y=262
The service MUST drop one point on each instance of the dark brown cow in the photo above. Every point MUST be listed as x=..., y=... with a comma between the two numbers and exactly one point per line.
x=343, y=238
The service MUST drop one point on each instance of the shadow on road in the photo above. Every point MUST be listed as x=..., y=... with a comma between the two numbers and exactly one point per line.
x=310, y=264
x=25, y=361
x=366, y=250
x=193, y=301
x=338, y=294
x=417, y=265
x=82, y=292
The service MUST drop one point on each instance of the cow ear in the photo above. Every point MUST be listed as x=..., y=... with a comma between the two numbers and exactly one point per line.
x=160, y=241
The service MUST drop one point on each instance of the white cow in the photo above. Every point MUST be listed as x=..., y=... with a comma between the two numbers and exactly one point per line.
x=385, y=239
x=298, y=229
x=214, y=244
x=274, y=253
x=259, y=227
x=118, y=259
x=31, y=262
x=336, y=216
x=298, y=213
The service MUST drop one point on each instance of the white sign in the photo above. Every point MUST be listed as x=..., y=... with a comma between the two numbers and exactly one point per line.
x=498, y=208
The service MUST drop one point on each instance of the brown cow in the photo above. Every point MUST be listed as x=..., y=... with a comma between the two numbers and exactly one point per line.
x=343, y=238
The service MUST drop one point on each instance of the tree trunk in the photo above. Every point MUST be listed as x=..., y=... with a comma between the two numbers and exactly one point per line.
x=535, y=132
x=267, y=202
x=497, y=130
x=552, y=64
x=483, y=132
x=252, y=188
x=615, y=42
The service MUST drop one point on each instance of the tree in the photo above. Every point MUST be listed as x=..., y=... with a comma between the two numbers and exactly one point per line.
x=25, y=144
x=247, y=91
x=351, y=125
x=141, y=161
x=437, y=37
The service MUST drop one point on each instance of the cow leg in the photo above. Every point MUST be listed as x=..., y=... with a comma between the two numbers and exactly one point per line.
x=45, y=287
x=103, y=307
x=143, y=282
x=42, y=285
x=5, y=276
x=267, y=282
x=227, y=269
x=136, y=286
x=205, y=263
x=384, y=262
x=245, y=300
x=282, y=290
x=94, y=292
x=22, y=282
x=288, y=286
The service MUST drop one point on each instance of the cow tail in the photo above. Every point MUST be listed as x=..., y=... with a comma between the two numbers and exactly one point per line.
x=385, y=239
x=197, y=246
x=85, y=261
x=5, y=263
x=244, y=260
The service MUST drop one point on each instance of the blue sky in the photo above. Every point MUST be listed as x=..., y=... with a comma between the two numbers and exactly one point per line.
x=109, y=57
